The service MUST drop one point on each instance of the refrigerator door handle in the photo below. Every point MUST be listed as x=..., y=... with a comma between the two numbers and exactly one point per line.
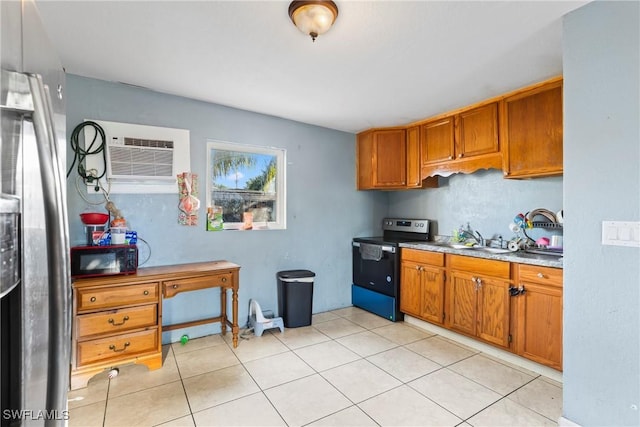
x=58, y=248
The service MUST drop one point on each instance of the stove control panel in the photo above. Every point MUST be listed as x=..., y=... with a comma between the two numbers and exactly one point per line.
x=407, y=225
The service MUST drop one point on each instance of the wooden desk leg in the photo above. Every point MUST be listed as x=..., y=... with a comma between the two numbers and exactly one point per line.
x=234, y=328
x=223, y=309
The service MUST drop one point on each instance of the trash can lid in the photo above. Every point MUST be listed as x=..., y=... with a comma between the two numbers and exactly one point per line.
x=295, y=274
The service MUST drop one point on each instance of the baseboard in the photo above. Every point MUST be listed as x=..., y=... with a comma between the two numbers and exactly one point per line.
x=563, y=422
x=488, y=349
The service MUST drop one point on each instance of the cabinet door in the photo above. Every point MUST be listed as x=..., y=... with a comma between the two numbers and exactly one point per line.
x=540, y=324
x=477, y=131
x=432, y=296
x=410, y=288
x=532, y=132
x=462, y=296
x=389, y=158
x=437, y=141
x=413, y=157
x=493, y=311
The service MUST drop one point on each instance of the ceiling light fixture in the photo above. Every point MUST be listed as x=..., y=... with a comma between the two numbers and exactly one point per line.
x=313, y=17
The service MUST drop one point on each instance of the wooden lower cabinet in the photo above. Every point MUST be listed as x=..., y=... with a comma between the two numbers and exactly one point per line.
x=422, y=285
x=478, y=298
x=473, y=297
x=539, y=315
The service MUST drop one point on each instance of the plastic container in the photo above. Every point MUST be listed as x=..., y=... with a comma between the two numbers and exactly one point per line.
x=295, y=297
x=118, y=235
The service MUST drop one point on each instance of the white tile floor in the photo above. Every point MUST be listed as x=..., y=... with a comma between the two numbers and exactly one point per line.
x=350, y=368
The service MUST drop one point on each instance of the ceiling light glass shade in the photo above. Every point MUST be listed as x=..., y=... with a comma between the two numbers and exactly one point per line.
x=313, y=17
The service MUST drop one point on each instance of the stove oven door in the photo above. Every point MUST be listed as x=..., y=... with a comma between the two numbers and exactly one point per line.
x=375, y=267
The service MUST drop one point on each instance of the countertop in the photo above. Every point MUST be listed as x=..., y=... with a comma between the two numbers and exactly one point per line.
x=519, y=257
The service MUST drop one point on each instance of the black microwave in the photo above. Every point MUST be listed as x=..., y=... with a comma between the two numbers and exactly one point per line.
x=92, y=261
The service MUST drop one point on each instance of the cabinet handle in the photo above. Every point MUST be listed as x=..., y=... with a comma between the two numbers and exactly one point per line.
x=146, y=292
x=175, y=286
x=113, y=347
x=124, y=319
x=450, y=158
x=460, y=155
x=93, y=299
x=224, y=279
x=540, y=275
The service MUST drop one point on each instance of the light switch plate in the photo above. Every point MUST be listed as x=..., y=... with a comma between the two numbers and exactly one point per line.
x=621, y=233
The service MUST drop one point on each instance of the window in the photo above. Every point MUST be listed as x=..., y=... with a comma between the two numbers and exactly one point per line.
x=245, y=187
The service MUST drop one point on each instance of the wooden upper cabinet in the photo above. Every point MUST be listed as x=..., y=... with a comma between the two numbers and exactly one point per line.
x=413, y=157
x=477, y=131
x=389, y=159
x=382, y=158
x=532, y=132
x=437, y=141
x=462, y=142
x=519, y=132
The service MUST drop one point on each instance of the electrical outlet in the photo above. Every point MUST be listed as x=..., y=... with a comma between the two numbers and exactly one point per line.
x=621, y=233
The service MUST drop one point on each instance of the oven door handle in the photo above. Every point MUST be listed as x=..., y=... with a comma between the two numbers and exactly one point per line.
x=390, y=249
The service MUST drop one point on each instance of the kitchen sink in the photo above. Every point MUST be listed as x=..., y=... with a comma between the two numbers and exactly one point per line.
x=493, y=250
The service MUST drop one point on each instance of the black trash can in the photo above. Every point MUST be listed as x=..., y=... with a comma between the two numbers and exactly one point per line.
x=295, y=297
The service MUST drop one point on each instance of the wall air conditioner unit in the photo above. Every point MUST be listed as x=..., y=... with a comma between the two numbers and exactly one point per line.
x=135, y=159
x=138, y=158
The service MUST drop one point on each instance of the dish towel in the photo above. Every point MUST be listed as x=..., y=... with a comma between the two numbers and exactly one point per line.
x=371, y=252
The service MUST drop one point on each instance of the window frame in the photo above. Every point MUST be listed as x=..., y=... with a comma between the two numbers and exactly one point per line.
x=280, y=182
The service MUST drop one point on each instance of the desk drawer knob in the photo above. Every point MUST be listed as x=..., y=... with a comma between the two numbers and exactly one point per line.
x=92, y=299
x=146, y=292
x=113, y=347
x=540, y=275
x=175, y=286
x=224, y=279
x=124, y=319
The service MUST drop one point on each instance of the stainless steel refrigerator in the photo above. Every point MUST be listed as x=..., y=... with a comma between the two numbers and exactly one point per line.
x=35, y=290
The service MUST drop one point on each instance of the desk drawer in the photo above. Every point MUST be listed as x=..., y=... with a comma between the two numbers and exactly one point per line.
x=115, y=321
x=118, y=347
x=116, y=296
x=172, y=287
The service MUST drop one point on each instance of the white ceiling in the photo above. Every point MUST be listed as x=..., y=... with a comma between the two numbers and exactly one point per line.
x=383, y=63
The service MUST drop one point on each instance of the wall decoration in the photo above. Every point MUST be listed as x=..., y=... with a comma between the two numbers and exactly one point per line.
x=189, y=203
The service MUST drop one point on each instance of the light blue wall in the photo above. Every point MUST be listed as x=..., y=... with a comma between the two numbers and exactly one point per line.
x=324, y=211
x=484, y=199
x=601, y=182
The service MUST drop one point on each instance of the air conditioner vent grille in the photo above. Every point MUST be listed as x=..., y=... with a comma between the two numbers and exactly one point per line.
x=154, y=143
x=144, y=163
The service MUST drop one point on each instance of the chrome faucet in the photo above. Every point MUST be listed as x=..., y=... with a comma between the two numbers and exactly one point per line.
x=469, y=234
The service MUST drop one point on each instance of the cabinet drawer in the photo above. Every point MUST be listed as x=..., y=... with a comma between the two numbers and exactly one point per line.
x=117, y=320
x=117, y=347
x=541, y=275
x=423, y=257
x=172, y=287
x=108, y=297
x=478, y=266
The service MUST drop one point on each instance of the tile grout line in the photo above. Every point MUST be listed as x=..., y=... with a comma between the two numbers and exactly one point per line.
x=184, y=389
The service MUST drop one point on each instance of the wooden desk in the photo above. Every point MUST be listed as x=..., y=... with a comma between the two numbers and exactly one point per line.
x=193, y=277
x=118, y=319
